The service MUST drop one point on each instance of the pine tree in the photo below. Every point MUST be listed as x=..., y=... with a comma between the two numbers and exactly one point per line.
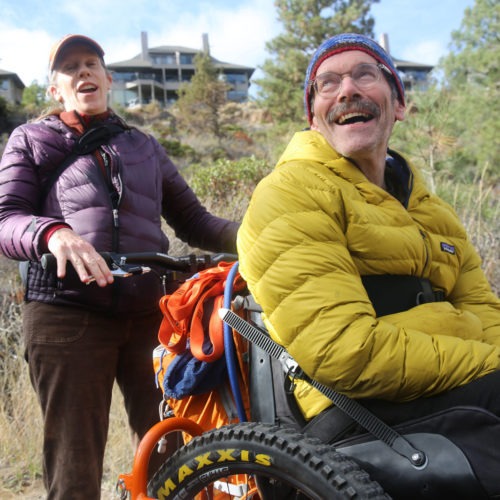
x=200, y=101
x=306, y=23
x=475, y=47
x=34, y=98
x=472, y=74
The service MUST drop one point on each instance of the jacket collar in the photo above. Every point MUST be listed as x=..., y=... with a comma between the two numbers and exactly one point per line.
x=81, y=123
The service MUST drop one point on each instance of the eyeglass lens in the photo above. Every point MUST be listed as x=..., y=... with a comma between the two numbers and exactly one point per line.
x=364, y=76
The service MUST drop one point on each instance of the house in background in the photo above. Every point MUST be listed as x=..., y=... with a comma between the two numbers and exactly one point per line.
x=157, y=73
x=11, y=87
x=415, y=76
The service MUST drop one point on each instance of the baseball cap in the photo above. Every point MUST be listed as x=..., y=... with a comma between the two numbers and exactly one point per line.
x=69, y=39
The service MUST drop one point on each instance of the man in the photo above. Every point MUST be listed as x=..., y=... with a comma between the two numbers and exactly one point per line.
x=367, y=278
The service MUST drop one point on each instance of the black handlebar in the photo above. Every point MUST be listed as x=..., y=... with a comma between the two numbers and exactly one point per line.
x=186, y=263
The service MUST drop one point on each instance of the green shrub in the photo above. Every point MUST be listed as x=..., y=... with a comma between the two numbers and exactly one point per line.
x=176, y=149
x=226, y=179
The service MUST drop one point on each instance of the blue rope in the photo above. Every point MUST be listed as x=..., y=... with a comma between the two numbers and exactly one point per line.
x=229, y=347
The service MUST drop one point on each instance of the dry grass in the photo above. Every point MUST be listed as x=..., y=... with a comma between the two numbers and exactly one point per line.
x=478, y=207
x=20, y=420
x=20, y=427
x=119, y=451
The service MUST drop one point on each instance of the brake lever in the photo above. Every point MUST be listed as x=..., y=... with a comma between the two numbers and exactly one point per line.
x=124, y=271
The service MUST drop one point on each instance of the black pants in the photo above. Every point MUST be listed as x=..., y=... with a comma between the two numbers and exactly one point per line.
x=483, y=392
x=475, y=433
x=333, y=424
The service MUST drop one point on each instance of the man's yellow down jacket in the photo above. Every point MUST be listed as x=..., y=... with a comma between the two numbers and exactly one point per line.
x=313, y=227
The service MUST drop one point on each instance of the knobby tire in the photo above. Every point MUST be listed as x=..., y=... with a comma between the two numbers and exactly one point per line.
x=287, y=465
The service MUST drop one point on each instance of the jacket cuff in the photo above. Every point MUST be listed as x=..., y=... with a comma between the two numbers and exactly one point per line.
x=48, y=233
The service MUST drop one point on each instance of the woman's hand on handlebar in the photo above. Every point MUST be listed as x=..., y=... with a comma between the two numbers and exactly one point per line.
x=66, y=246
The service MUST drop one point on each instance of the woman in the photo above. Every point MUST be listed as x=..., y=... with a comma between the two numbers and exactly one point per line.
x=81, y=336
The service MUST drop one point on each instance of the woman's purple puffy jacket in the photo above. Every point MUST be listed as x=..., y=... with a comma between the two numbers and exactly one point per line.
x=121, y=213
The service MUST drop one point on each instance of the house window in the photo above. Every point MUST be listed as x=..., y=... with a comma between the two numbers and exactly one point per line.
x=186, y=59
x=237, y=96
x=163, y=58
x=118, y=76
x=235, y=78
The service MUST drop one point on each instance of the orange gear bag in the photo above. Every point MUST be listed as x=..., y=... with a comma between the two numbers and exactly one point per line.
x=189, y=363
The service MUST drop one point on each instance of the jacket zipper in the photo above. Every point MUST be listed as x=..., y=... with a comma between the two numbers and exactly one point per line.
x=427, y=252
x=109, y=159
x=114, y=197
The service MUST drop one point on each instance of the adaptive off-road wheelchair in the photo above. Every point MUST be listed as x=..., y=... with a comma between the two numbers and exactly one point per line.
x=272, y=453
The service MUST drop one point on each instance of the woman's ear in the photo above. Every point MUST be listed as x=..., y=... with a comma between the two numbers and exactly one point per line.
x=53, y=92
x=109, y=79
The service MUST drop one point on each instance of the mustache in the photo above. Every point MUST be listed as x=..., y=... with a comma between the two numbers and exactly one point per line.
x=366, y=107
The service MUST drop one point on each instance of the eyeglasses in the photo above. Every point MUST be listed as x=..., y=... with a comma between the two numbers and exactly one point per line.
x=364, y=75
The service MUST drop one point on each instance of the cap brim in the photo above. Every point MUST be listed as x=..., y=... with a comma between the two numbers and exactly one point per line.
x=70, y=39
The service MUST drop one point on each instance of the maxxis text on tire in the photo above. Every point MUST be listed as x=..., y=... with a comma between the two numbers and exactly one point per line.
x=298, y=466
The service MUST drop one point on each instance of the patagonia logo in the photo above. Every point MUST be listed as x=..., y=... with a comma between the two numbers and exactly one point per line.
x=445, y=247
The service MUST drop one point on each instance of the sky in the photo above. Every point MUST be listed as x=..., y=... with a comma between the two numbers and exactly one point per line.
x=418, y=30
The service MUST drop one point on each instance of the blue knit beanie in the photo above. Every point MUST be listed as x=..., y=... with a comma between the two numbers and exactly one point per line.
x=342, y=43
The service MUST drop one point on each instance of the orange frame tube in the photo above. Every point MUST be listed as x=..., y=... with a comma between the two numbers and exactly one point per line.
x=136, y=482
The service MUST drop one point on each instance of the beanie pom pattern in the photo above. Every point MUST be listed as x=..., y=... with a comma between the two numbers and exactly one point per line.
x=343, y=43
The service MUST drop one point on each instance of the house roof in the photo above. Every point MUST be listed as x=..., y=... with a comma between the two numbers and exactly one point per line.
x=408, y=65
x=135, y=62
x=139, y=62
x=165, y=49
x=14, y=76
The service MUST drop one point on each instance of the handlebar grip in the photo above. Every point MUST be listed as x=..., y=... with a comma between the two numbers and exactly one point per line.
x=48, y=261
x=184, y=263
x=220, y=257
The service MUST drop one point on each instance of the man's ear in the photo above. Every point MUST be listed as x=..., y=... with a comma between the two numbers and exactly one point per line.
x=399, y=111
x=314, y=124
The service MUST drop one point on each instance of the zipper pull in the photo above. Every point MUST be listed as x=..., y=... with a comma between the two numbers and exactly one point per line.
x=116, y=219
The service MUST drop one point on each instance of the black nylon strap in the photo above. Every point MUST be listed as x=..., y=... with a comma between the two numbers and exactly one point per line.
x=391, y=294
x=330, y=425
x=88, y=142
